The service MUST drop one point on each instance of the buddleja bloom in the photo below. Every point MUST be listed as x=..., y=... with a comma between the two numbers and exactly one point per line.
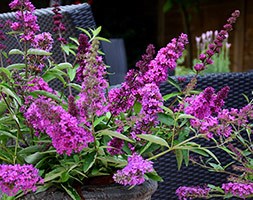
x=43, y=41
x=206, y=103
x=27, y=21
x=123, y=98
x=216, y=46
x=36, y=83
x=59, y=27
x=165, y=60
x=67, y=136
x=82, y=55
x=185, y=193
x=146, y=59
x=14, y=178
x=92, y=99
x=151, y=101
x=133, y=173
x=205, y=107
x=241, y=190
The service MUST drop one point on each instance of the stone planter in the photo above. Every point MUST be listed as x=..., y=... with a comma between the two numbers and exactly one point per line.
x=101, y=192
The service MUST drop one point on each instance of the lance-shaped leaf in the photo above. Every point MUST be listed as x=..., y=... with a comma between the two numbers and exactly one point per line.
x=38, y=52
x=115, y=134
x=154, y=139
x=16, y=52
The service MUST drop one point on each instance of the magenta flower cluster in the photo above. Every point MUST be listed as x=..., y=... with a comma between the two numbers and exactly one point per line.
x=27, y=21
x=242, y=190
x=185, y=192
x=92, y=73
x=14, y=178
x=151, y=71
x=216, y=46
x=210, y=118
x=133, y=173
x=66, y=134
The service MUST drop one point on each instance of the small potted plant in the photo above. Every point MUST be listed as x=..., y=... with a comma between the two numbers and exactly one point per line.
x=88, y=132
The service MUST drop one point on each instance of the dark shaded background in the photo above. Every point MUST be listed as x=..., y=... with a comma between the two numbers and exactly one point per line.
x=134, y=21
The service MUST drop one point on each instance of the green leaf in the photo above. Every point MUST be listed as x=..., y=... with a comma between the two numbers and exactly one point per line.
x=3, y=108
x=5, y=71
x=215, y=188
x=179, y=158
x=89, y=159
x=16, y=52
x=168, y=96
x=154, y=139
x=103, y=39
x=72, y=73
x=71, y=192
x=65, y=48
x=75, y=86
x=56, y=173
x=29, y=150
x=211, y=154
x=137, y=107
x=17, y=66
x=115, y=134
x=174, y=83
x=216, y=167
x=85, y=31
x=186, y=156
x=33, y=158
x=64, y=65
x=52, y=74
x=5, y=54
x=8, y=134
x=154, y=176
x=75, y=40
x=166, y=119
x=113, y=160
x=96, y=31
x=185, y=116
x=46, y=94
x=199, y=151
x=9, y=92
x=38, y=52
x=98, y=120
x=65, y=177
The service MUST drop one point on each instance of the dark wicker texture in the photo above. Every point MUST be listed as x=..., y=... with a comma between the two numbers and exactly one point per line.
x=239, y=83
x=73, y=16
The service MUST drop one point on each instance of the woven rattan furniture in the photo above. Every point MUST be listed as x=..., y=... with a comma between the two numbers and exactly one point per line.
x=239, y=83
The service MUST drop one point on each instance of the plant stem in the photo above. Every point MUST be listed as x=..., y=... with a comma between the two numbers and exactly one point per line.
x=173, y=148
x=1, y=59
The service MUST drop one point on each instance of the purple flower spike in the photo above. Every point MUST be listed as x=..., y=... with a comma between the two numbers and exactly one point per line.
x=215, y=47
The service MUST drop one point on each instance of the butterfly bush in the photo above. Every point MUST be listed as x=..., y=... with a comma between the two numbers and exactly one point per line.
x=18, y=177
x=87, y=128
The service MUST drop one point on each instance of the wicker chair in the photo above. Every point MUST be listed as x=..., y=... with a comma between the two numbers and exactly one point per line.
x=166, y=166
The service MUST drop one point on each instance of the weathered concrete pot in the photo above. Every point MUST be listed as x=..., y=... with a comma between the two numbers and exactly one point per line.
x=101, y=192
